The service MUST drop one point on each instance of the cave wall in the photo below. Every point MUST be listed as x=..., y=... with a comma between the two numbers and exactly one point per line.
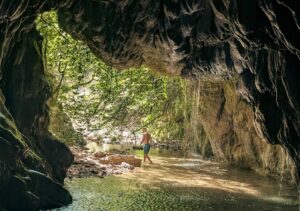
x=220, y=123
x=27, y=91
x=255, y=39
x=33, y=162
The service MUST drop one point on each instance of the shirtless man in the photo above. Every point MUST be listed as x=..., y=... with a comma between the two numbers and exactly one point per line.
x=147, y=139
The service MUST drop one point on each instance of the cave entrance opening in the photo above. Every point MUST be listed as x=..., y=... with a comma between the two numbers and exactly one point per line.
x=93, y=102
x=88, y=95
x=101, y=102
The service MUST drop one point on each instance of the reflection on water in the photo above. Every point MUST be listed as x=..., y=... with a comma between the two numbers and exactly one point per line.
x=176, y=183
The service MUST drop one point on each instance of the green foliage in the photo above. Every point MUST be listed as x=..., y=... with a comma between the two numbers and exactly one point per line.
x=95, y=95
x=61, y=126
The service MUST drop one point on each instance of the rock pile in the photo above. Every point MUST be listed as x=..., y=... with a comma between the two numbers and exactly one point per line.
x=100, y=164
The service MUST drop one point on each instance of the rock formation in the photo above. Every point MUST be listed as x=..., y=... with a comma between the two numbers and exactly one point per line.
x=221, y=124
x=255, y=40
x=33, y=163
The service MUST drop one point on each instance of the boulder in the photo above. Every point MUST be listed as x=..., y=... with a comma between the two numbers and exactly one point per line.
x=119, y=159
x=51, y=194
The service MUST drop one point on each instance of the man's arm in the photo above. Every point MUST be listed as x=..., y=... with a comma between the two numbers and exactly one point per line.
x=150, y=140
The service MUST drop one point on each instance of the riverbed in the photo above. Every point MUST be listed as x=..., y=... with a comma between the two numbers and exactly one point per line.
x=177, y=183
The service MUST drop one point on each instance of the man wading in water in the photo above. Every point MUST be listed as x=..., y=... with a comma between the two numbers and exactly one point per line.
x=146, y=141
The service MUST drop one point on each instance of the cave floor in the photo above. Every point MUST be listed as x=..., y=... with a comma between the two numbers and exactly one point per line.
x=176, y=183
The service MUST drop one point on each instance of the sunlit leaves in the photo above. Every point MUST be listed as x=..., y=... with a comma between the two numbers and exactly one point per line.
x=95, y=95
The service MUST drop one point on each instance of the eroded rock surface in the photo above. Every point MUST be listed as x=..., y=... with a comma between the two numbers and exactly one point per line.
x=21, y=188
x=255, y=39
x=221, y=124
x=33, y=163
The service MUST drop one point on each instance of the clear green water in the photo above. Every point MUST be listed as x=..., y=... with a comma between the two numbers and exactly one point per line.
x=176, y=183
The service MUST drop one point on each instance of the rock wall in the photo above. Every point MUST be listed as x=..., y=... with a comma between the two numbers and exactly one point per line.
x=33, y=163
x=221, y=122
x=255, y=39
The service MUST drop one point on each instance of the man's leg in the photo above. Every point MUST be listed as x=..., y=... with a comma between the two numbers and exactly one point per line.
x=149, y=158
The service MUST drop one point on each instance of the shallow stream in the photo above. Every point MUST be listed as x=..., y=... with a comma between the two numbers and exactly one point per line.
x=177, y=183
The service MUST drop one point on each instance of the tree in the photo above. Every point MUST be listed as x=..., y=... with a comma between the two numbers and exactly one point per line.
x=95, y=95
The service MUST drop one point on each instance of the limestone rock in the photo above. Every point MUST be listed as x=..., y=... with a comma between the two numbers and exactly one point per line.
x=254, y=40
x=224, y=121
x=24, y=119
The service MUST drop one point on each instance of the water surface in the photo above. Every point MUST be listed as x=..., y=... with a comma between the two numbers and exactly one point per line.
x=176, y=183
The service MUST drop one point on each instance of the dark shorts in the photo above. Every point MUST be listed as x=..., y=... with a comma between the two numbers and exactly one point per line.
x=146, y=148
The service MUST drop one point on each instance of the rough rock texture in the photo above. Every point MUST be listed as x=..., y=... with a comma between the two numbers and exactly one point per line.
x=27, y=91
x=100, y=164
x=32, y=161
x=20, y=188
x=256, y=39
x=221, y=122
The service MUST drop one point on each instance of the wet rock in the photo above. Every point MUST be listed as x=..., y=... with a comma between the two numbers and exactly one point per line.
x=119, y=159
x=100, y=163
x=51, y=194
x=58, y=156
x=16, y=155
x=221, y=119
x=27, y=90
x=17, y=196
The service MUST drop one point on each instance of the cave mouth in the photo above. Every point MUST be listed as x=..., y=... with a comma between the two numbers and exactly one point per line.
x=96, y=99
x=95, y=107
x=251, y=122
